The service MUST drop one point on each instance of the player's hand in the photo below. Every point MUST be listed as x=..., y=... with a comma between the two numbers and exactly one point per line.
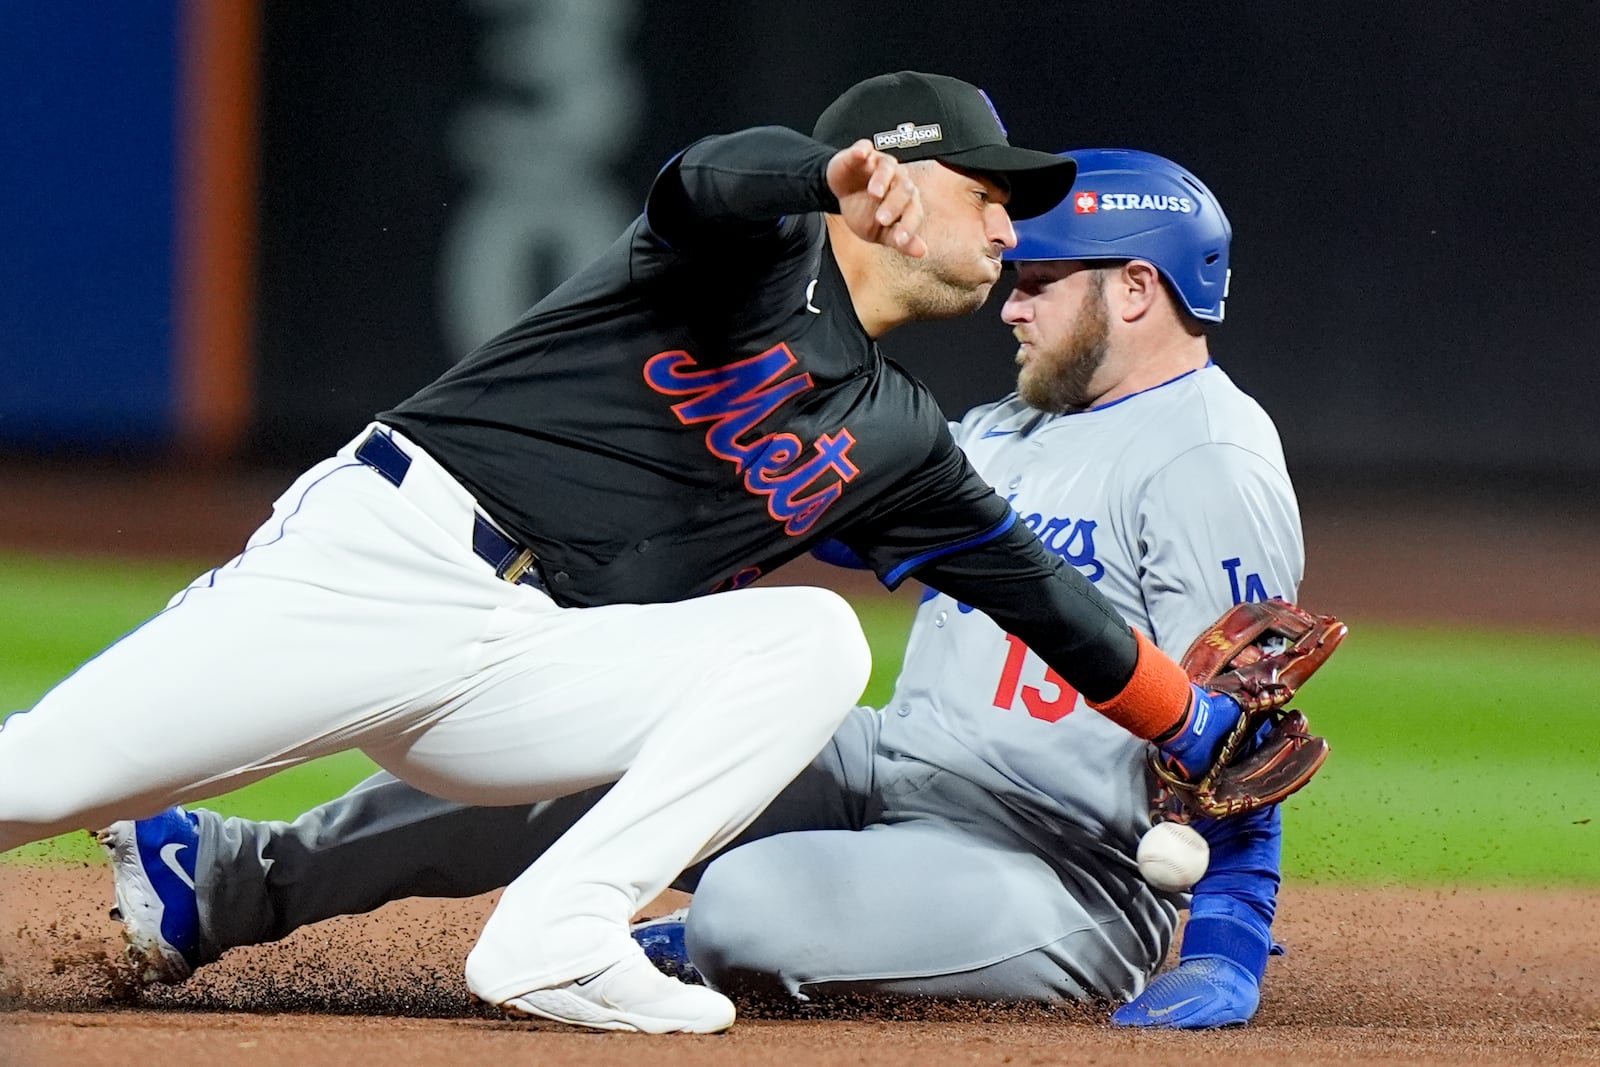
x=1200, y=994
x=878, y=198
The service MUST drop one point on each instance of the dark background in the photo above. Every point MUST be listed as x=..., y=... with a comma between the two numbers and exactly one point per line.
x=1412, y=189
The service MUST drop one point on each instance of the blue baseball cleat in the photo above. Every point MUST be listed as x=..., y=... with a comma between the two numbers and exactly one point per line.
x=152, y=869
x=1201, y=994
x=663, y=944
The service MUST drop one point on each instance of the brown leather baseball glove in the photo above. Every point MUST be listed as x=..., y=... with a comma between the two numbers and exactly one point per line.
x=1259, y=654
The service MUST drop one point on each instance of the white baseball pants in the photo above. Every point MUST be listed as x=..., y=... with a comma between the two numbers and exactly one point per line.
x=359, y=617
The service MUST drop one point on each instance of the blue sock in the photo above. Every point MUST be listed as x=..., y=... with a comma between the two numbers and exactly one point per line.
x=1194, y=745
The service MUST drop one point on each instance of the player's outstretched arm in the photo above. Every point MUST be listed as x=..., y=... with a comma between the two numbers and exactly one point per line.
x=1004, y=571
x=1067, y=622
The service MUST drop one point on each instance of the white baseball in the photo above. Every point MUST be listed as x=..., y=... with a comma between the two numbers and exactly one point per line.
x=1172, y=856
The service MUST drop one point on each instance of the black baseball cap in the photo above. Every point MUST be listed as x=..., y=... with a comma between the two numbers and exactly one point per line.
x=930, y=116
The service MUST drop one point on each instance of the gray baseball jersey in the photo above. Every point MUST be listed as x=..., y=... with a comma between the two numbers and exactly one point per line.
x=1175, y=502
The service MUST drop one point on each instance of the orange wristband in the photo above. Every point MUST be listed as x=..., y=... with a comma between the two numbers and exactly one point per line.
x=1156, y=698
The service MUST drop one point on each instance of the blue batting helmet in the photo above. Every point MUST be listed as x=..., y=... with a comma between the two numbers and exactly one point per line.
x=1134, y=205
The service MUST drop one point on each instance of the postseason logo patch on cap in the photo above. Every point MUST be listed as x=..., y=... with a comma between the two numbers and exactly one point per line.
x=907, y=135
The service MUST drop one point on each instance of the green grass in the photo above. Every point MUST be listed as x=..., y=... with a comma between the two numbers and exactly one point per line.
x=56, y=613
x=1460, y=757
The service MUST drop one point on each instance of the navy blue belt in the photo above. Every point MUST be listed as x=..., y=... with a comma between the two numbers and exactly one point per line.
x=510, y=561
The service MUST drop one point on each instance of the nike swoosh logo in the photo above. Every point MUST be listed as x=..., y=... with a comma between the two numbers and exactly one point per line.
x=996, y=433
x=1158, y=1013
x=169, y=856
x=586, y=979
x=810, y=292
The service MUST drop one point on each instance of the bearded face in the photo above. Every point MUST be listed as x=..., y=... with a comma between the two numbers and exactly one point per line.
x=1064, y=345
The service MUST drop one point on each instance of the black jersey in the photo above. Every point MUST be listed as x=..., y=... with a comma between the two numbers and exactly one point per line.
x=701, y=405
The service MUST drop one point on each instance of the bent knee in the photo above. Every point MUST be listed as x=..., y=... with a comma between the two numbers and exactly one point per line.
x=827, y=630
x=738, y=932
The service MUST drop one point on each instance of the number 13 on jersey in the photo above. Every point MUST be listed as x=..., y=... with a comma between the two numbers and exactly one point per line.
x=1038, y=704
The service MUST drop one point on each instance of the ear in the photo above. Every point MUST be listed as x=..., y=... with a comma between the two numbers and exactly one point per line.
x=1141, y=289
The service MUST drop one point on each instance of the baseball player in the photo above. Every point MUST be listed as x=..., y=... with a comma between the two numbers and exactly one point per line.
x=497, y=590
x=974, y=838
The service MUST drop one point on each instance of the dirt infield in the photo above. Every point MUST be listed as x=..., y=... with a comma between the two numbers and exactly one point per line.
x=1372, y=976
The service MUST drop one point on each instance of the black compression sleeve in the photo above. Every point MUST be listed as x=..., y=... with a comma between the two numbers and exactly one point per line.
x=753, y=176
x=1049, y=605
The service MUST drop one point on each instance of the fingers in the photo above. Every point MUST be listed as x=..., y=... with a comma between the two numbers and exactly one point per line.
x=850, y=169
x=912, y=245
x=882, y=169
x=900, y=212
x=878, y=197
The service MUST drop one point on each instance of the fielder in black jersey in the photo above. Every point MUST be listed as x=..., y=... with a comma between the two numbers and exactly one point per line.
x=703, y=403
x=499, y=590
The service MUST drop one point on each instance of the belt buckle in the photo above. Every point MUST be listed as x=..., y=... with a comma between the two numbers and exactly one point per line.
x=519, y=566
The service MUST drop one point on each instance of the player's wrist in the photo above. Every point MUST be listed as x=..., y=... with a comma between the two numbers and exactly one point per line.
x=1156, y=698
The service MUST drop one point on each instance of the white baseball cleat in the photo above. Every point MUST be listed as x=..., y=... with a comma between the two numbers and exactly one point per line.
x=629, y=995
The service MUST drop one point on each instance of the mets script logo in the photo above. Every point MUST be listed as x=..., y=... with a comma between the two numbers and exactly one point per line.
x=733, y=399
